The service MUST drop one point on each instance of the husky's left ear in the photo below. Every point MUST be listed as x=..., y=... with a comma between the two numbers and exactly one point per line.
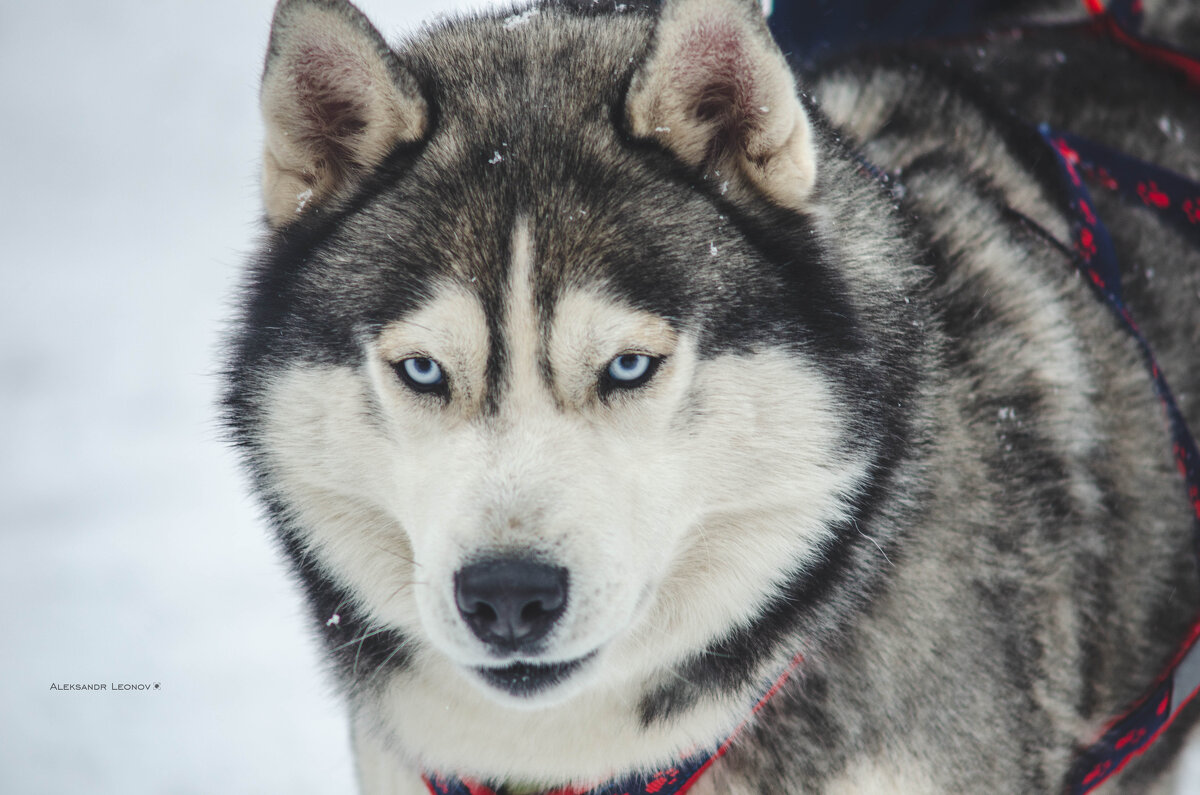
x=718, y=93
x=335, y=101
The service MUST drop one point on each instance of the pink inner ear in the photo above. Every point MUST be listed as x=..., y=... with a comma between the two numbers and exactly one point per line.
x=715, y=68
x=332, y=93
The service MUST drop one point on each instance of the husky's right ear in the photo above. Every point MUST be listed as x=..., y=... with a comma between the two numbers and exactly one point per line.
x=335, y=101
x=717, y=92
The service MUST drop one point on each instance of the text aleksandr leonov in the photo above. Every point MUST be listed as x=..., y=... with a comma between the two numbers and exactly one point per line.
x=109, y=686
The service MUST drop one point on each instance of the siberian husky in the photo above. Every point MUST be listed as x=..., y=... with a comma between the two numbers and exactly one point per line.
x=600, y=375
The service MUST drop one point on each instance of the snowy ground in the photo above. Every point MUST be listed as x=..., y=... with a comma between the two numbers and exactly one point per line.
x=129, y=146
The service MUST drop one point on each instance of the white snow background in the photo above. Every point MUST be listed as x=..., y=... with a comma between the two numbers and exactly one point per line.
x=129, y=144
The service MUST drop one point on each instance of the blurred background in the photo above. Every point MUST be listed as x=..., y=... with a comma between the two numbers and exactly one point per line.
x=130, y=552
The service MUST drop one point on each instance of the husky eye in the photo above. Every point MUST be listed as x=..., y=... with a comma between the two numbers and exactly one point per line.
x=630, y=370
x=422, y=374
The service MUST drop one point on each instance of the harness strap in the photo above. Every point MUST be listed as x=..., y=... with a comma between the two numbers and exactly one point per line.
x=1136, y=730
x=1122, y=19
x=1177, y=200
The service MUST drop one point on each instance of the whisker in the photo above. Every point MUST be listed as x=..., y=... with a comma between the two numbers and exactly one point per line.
x=360, y=639
x=389, y=551
x=383, y=665
x=400, y=588
x=671, y=670
x=873, y=541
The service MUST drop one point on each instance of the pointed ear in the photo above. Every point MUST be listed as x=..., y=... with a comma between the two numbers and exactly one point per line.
x=716, y=91
x=335, y=101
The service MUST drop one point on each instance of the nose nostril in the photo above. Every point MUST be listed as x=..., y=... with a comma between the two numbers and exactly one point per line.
x=483, y=612
x=532, y=611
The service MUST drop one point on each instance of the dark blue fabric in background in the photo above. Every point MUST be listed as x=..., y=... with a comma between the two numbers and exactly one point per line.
x=811, y=30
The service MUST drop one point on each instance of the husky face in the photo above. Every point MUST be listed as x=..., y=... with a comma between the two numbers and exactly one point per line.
x=535, y=413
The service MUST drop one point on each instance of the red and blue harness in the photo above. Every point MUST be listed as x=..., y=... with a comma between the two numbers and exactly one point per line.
x=1177, y=200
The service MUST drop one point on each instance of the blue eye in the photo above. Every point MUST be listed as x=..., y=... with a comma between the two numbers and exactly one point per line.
x=630, y=370
x=422, y=374
x=629, y=367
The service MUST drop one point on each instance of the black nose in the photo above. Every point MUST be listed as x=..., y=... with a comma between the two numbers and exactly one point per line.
x=510, y=603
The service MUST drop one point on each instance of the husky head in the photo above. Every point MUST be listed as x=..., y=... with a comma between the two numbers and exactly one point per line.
x=554, y=376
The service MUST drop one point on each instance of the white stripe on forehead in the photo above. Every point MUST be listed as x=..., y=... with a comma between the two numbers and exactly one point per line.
x=522, y=327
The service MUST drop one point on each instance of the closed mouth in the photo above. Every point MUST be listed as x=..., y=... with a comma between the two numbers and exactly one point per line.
x=524, y=679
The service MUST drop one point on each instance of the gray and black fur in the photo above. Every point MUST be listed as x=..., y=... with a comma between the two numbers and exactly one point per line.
x=1015, y=565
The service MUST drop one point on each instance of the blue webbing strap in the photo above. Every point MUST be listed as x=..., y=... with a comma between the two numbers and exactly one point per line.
x=1163, y=192
x=1177, y=200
